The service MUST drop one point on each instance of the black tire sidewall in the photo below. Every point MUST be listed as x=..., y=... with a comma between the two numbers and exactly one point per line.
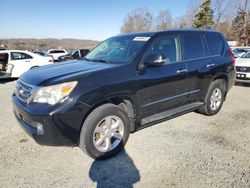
x=86, y=137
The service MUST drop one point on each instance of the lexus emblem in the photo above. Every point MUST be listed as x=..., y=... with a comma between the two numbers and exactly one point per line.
x=21, y=91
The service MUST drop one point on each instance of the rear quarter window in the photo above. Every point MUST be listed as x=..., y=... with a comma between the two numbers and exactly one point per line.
x=193, y=47
x=215, y=44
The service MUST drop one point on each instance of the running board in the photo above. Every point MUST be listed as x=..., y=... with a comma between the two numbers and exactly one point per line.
x=156, y=118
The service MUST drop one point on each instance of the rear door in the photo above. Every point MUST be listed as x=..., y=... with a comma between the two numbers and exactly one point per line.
x=163, y=87
x=201, y=64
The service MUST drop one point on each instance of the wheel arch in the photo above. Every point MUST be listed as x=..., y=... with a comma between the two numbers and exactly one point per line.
x=124, y=102
x=222, y=77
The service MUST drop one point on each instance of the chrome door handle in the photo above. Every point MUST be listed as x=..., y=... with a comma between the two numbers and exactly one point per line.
x=210, y=65
x=181, y=71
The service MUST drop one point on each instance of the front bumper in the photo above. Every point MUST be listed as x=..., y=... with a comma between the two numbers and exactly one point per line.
x=243, y=77
x=4, y=75
x=57, y=127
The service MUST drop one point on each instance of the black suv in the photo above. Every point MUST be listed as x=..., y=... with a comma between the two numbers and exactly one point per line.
x=126, y=83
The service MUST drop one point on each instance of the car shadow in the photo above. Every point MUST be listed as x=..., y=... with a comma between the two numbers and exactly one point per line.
x=7, y=80
x=118, y=171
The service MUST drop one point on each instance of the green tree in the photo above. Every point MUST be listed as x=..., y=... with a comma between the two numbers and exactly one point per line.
x=204, y=18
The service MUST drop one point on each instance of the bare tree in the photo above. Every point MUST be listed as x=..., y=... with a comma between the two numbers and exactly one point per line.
x=241, y=22
x=220, y=8
x=164, y=20
x=137, y=20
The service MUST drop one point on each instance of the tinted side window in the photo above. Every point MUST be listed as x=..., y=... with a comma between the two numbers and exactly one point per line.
x=19, y=56
x=56, y=51
x=76, y=54
x=167, y=46
x=215, y=44
x=192, y=46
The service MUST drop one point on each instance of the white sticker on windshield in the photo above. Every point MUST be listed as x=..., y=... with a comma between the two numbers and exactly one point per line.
x=141, y=38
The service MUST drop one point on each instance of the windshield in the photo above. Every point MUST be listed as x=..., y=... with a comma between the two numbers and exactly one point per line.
x=247, y=55
x=121, y=49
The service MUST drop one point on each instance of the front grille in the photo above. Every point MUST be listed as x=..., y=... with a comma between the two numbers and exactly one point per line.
x=242, y=69
x=23, y=91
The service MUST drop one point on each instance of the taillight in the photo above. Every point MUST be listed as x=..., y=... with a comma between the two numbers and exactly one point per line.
x=51, y=61
x=232, y=56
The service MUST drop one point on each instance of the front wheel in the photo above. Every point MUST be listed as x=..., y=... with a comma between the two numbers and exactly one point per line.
x=214, y=98
x=105, y=131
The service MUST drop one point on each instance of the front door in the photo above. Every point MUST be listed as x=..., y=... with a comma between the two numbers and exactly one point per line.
x=163, y=87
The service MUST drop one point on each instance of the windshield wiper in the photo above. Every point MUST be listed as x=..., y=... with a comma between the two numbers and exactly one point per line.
x=101, y=60
x=84, y=58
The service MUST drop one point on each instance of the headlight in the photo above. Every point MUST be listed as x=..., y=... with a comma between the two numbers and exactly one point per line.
x=54, y=94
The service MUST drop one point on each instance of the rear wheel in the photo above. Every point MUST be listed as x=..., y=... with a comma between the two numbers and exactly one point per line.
x=105, y=131
x=214, y=98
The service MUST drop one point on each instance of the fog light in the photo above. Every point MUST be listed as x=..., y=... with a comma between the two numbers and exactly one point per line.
x=37, y=125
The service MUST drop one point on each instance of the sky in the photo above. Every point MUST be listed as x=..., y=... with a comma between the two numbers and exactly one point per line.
x=80, y=19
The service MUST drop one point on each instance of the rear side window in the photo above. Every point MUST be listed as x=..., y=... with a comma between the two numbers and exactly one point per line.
x=215, y=44
x=19, y=56
x=192, y=46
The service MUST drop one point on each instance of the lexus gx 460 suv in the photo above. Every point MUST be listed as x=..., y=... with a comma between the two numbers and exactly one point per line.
x=126, y=83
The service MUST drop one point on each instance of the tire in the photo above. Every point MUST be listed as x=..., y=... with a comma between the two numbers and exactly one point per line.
x=211, y=107
x=105, y=131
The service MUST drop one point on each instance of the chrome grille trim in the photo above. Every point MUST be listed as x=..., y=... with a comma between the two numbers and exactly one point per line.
x=23, y=91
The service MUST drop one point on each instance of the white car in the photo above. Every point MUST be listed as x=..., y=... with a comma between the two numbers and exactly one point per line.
x=13, y=63
x=56, y=53
x=243, y=68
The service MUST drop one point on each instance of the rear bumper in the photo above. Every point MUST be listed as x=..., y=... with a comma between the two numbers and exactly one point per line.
x=243, y=81
x=243, y=77
x=48, y=128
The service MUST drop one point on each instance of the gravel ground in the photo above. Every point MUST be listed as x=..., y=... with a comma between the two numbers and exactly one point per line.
x=189, y=151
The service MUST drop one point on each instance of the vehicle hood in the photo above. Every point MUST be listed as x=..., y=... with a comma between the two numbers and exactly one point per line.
x=243, y=62
x=61, y=72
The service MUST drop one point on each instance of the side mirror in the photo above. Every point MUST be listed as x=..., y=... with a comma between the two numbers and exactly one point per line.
x=155, y=60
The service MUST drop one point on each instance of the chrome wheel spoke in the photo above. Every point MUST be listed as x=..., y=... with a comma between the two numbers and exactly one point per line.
x=108, y=144
x=117, y=135
x=99, y=142
x=100, y=130
x=108, y=122
x=116, y=125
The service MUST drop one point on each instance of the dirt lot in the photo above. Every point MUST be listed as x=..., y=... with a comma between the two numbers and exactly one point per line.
x=189, y=151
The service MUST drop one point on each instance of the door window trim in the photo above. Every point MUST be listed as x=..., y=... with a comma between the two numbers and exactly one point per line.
x=178, y=52
x=12, y=59
x=183, y=50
